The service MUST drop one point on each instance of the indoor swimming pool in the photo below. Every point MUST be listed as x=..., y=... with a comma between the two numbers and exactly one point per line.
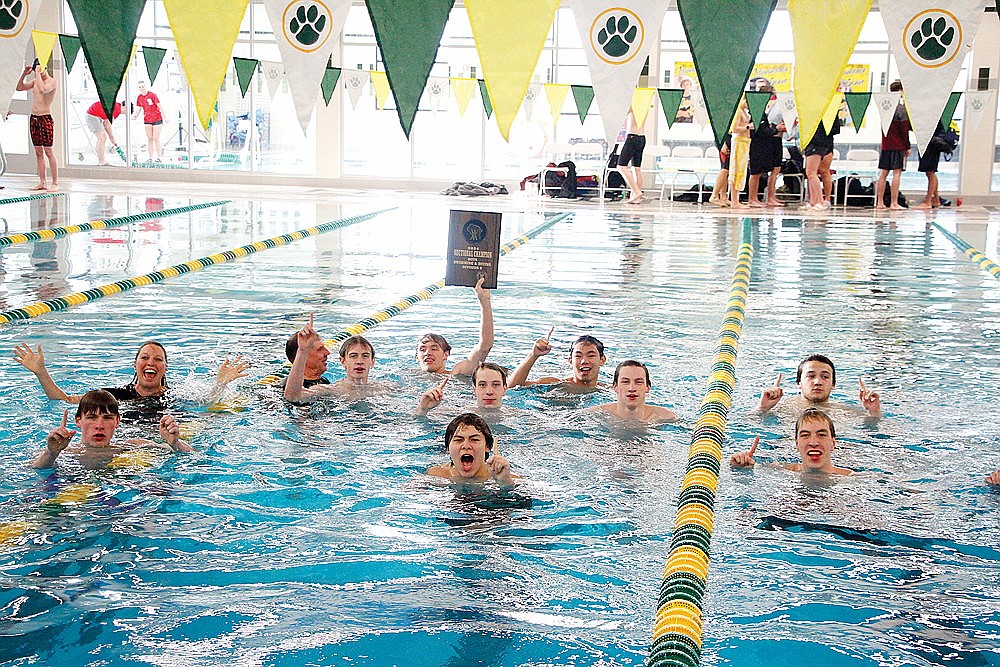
x=311, y=535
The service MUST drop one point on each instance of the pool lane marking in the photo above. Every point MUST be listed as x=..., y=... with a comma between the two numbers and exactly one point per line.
x=59, y=232
x=677, y=631
x=62, y=303
x=984, y=262
x=14, y=200
x=396, y=308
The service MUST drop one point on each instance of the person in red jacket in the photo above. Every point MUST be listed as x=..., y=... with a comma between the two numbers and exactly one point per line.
x=98, y=123
x=895, y=150
x=152, y=117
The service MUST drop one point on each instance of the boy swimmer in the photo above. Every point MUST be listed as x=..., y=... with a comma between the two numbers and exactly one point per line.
x=489, y=384
x=433, y=350
x=815, y=438
x=631, y=383
x=586, y=356
x=817, y=378
x=469, y=442
x=97, y=418
x=308, y=355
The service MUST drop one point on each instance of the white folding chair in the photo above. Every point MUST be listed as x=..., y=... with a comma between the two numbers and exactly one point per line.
x=860, y=163
x=684, y=161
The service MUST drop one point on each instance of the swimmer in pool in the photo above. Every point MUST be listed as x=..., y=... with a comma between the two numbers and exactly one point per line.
x=816, y=378
x=586, y=356
x=815, y=439
x=994, y=479
x=149, y=381
x=433, y=349
x=632, y=384
x=97, y=418
x=489, y=384
x=470, y=446
x=308, y=355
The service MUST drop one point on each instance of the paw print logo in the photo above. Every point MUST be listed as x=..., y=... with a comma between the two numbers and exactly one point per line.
x=529, y=95
x=789, y=104
x=272, y=73
x=354, y=81
x=13, y=15
x=932, y=38
x=436, y=88
x=307, y=24
x=885, y=104
x=977, y=104
x=617, y=36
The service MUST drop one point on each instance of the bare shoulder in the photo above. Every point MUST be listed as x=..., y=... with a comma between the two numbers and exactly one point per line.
x=439, y=471
x=658, y=414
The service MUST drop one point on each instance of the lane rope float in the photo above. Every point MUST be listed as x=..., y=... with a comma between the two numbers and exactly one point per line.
x=46, y=195
x=59, y=232
x=984, y=262
x=78, y=298
x=426, y=293
x=677, y=632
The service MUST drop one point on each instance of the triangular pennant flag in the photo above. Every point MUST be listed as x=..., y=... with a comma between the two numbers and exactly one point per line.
x=642, y=99
x=857, y=104
x=757, y=101
x=832, y=112
x=699, y=110
x=789, y=114
x=723, y=71
x=354, y=81
x=555, y=93
x=380, y=83
x=245, y=69
x=153, y=57
x=464, y=87
x=818, y=68
x=408, y=34
x=509, y=36
x=436, y=88
x=979, y=104
x=584, y=97
x=533, y=93
x=273, y=73
x=885, y=104
x=949, y=109
x=14, y=33
x=487, y=105
x=44, y=43
x=306, y=33
x=329, y=83
x=670, y=102
x=205, y=61
x=616, y=40
x=70, y=45
x=930, y=43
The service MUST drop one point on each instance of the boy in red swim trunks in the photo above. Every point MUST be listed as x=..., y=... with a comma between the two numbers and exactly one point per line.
x=43, y=91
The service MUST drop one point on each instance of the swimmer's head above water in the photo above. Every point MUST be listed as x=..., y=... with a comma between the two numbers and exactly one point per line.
x=433, y=351
x=489, y=384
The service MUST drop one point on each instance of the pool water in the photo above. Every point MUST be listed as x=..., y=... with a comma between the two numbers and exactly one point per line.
x=310, y=536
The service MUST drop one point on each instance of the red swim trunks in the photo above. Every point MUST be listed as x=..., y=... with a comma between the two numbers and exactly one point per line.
x=40, y=128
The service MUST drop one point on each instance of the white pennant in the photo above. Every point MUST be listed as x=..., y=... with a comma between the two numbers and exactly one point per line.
x=15, y=31
x=273, y=73
x=978, y=105
x=533, y=93
x=617, y=36
x=885, y=104
x=355, y=81
x=306, y=32
x=699, y=110
x=789, y=111
x=437, y=88
x=930, y=45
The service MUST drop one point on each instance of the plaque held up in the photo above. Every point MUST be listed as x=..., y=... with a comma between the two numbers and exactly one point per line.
x=473, y=249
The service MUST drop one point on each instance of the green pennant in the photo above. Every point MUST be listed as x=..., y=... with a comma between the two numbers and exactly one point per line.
x=670, y=102
x=757, y=101
x=857, y=104
x=723, y=63
x=245, y=68
x=70, y=45
x=329, y=83
x=107, y=30
x=584, y=97
x=949, y=109
x=408, y=34
x=487, y=104
x=153, y=55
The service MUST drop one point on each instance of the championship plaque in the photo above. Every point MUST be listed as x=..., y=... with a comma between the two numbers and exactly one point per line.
x=473, y=249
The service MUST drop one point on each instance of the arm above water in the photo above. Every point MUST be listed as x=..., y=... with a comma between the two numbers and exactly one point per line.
x=485, y=344
x=770, y=396
x=34, y=361
x=520, y=375
x=55, y=443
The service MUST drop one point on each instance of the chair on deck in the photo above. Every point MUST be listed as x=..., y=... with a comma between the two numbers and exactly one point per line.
x=860, y=163
x=684, y=161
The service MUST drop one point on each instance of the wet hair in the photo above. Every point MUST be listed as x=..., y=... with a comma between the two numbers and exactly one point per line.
x=346, y=346
x=97, y=401
x=588, y=340
x=821, y=359
x=896, y=86
x=489, y=366
x=437, y=338
x=469, y=419
x=292, y=347
x=818, y=415
x=631, y=363
x=135, y=376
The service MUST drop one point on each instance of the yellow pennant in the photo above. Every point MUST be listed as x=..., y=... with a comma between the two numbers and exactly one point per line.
x=380, y=82
x=821, y=53
x=205, y=32
x=44, y=43
x=509, y=36
x=832, y=111
x=131, y=58
x=642, y=99
x=555, y=93
x=463, y=87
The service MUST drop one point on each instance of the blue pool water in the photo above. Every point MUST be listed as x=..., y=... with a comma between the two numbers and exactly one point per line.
x=311, y=537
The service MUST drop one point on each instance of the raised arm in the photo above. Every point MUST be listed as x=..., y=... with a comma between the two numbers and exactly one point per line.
x=870, y=401
x=432, y=397
x=520, y=375
x=308, y=341
x=500, y=468
x=485, y=344
x=21, y=84
x=170, y=431
x=34, y=361
x=55, y=443
x=228, y=371
x=770, y=396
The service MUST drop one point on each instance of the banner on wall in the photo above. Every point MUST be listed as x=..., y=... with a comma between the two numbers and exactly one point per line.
x=617, y=38
x=930, y=45
x=856, y=79
x=778, y=75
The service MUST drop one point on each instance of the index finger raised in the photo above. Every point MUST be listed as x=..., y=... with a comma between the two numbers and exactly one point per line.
x=753, y=447
x=862, y=383
x=549, y=334
x=777, y=382
x=65, y=417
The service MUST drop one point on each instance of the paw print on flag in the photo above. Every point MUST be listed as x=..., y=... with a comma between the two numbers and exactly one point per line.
x=617, y=35
x=307, y=24
x=13, y=14
x=932, y=38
